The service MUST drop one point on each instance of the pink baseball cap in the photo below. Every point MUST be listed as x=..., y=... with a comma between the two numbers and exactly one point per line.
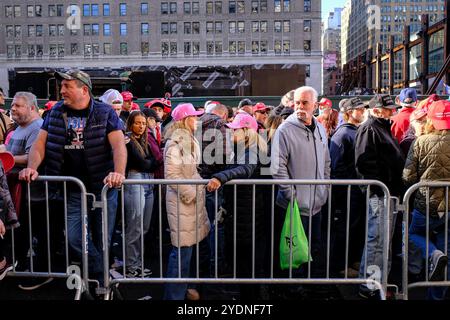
x=127, y=96
x=260, y=106
x=7, y=160
x=185, y=110
x=243, y=120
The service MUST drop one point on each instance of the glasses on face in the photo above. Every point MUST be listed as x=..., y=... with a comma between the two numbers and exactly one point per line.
x=262, y=112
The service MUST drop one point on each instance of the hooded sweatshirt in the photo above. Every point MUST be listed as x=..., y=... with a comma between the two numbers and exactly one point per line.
x=299, y=153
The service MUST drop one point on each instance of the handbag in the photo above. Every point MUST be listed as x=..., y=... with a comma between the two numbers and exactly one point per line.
x=296, y=240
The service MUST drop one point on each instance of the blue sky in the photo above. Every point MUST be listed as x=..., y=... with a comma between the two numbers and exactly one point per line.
x=329, y=5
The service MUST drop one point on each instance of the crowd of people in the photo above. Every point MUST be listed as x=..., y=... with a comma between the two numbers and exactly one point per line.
x=106, y=141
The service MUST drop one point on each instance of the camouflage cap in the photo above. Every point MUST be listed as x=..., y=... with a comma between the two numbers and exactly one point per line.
x=75, y=74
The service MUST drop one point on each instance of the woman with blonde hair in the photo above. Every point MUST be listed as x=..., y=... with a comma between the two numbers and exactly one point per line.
x=186, y=211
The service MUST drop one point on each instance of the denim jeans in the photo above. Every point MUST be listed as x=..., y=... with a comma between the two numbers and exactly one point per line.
x=417, y=235
x=177, y=291
x=74, y=225
x=211, y=209
x=138, y=213
x=375, y=241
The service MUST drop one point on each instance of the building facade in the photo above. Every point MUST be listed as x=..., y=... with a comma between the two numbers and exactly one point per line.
x=132, y=35
x=331, y=46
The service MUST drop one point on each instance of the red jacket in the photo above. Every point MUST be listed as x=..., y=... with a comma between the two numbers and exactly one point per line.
x=400, y=123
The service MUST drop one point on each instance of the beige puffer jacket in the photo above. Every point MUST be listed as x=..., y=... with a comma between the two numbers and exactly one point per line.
x=429, y=160
x=181, y=163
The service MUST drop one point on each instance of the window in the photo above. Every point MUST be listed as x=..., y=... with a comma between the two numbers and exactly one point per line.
x=255, y=26
x=218, y=7
x=307, y=45
x=241, y=47
x=59, y=10
x=255, y=6
x=17, y=12
x=73, y=32
x=145, y=48
x=60, y=30
x=38, y=11
x=31, y=50
x=195, y=48
x=39, y=50
x=286, y=26
x=173, y=49
x=308, y=70
x=123, y=9
x=218, y=27
x=52, y=30
x=277, y=26
x=277, y=47
x=195, y=8
x=94, y=10
x=87, y=49
x=87, y=29
x=52, y=10
x=263, y=6
x=232, y=47
x=106, y=10
x=144, y=10
x=241, y=26
x=187, y=28
x=164, y=28
x=232, y=7
x=144, y=29
x=187, y=49
x=187, y=8
x=241, y=6
x=9, y=31
x=218, y=47
x=164, y=8
x=107, y=48
x=18, y=50
x=95, y=49
x=52, y=51
x=30, y=11
x=307, y=25
x=86, y=10
x=263, y=26
x=31, y=31
x=173, y=8
x=9, y=51
x=232, y=26
x=18, y=31
x=165, y=48
x=95, y=29
x=209, y=47
x=209, y=7
x=263, y=47
x=307, y=5
x=123, y=48
x=106, y=29
x=123, y=29
x=255, y=47
x=74, y=48
x=209, y=27
x=195, y=27
x=286, y=5
x=38, y=31
x=277, y=5
x=8, y=11
x=173, y=28
x=61, y=50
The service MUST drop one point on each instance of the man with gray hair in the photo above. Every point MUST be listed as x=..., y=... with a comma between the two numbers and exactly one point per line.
x=24, y=112
x=300, y=151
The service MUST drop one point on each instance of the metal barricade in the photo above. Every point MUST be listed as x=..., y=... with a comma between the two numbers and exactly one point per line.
x=377, y=282
x=76, y=279
x=424, y=187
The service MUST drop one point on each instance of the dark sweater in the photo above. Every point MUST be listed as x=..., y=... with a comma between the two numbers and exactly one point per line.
x=138, y=161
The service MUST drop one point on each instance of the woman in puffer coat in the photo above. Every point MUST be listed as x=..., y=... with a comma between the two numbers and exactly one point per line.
x=186, y=212
x=429, y=160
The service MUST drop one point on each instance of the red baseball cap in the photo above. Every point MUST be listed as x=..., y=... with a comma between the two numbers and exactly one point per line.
x=325, y=102
x=439, y=114
x=7, y=160
x=49, y=105
x=162, y=103
x=260, y=106
x=135, y=106
x=127, y=96
x=424, y=106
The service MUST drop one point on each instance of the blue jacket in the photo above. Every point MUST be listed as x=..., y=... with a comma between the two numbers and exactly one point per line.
x=342, y=152
x=98, y=152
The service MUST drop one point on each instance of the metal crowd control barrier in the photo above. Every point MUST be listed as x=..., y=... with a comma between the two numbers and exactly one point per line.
x=79, y=281
x=381, y=283
x=407, y=211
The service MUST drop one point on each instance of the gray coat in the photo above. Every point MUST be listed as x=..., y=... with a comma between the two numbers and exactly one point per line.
x=297, y=153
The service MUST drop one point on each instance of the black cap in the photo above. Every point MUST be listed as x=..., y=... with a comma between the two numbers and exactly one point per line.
x=150, y=113
x=383, y=101
x=245, y=102
x=352, y=103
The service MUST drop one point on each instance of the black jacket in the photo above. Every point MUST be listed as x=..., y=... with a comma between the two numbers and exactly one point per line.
x=138, y=161
x=378, y=155
x=342, y=152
